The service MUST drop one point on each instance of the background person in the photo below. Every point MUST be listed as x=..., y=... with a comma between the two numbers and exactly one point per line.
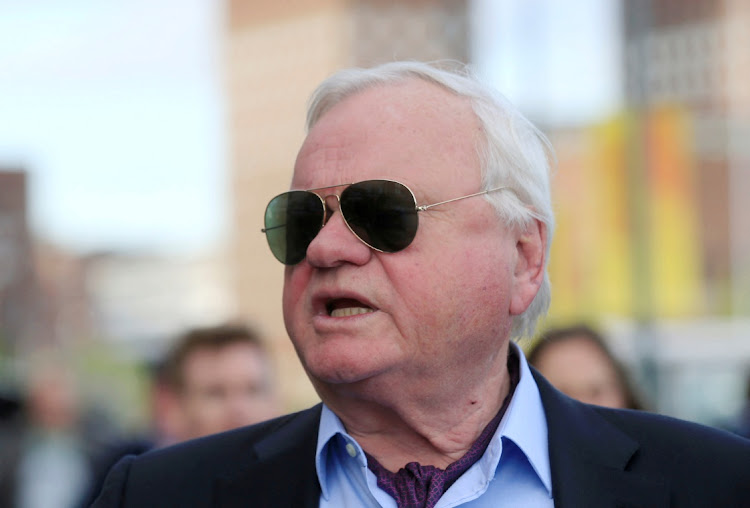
x=418, y=197
x=212, y=379
x=577, y=361
x=220, y=378
x=44, y=457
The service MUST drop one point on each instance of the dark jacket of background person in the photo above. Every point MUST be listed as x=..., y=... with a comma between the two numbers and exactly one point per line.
x=44, y=455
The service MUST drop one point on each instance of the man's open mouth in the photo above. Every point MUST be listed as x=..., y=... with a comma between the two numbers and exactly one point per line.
x=346, y=307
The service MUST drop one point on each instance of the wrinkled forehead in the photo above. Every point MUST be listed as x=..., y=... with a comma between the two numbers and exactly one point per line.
x=390, y=131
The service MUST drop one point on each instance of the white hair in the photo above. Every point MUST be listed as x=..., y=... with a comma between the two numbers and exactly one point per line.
x=512, y=151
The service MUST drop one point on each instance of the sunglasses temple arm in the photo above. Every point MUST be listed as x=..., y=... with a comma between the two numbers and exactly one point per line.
x=422, y=208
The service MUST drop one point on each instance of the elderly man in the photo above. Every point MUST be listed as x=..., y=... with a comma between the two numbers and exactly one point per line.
x=416, y=240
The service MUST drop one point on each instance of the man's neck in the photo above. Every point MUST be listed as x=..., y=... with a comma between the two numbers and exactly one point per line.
x=407, y=426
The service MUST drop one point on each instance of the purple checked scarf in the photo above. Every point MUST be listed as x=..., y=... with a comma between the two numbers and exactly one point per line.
x=417, y=486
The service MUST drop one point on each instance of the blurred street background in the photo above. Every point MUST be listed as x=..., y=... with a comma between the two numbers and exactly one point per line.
x=140, y=142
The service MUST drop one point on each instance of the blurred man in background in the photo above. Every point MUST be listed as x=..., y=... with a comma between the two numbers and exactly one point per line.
x=212, y=379
x=218, y=379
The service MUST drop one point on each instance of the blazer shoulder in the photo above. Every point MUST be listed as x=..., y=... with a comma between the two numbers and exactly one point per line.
x=233, y=448
x=679, y=438
x=694, y=464
x=186, y=474
x=704, y=465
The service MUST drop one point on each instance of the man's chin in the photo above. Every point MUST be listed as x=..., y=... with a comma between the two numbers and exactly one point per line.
x=346, y=361
x=338, y=375
x=343, y=370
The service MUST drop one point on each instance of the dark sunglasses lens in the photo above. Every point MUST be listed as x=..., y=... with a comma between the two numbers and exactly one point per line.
x=382, y=213
x=292, y=220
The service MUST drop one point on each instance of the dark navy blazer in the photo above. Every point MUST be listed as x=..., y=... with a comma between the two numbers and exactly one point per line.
x=598, y=457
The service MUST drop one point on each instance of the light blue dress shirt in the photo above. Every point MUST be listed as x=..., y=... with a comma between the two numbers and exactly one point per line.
x=513, y=472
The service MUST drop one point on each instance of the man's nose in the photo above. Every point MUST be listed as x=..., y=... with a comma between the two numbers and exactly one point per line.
x=335, y=244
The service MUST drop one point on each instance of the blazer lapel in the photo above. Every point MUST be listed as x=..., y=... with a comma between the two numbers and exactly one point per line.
x=282, y=473
x=589, y=457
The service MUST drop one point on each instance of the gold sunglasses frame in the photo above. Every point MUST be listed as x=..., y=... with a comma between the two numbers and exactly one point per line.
x=418, y=208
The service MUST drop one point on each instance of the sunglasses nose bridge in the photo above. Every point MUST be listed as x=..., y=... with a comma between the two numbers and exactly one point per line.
x=334, y=205
x=331, y=205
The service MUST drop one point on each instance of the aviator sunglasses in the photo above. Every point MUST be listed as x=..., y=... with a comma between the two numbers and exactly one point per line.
x=381, y=213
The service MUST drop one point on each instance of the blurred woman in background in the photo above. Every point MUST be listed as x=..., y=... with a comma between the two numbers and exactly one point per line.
x=577, y=362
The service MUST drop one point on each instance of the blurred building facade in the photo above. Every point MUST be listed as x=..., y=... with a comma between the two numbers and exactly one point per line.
x=142, y=301
x=43, y=297
x=693, y=57
x=17, y=281
x=652, y=202
x=687, y=65
x=652, y=207
x=66, y=302
x=277, y=53
x=52, y=298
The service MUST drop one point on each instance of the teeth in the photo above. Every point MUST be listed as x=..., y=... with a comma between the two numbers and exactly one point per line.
x=350, y=311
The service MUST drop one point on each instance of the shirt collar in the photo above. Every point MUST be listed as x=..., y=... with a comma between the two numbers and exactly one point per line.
x=332, y=428
x=524, y=423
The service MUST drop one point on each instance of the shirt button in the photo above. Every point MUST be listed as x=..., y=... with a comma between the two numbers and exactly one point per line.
x=351, y=450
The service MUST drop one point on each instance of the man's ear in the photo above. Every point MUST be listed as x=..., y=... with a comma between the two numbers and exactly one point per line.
x=528, y=274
